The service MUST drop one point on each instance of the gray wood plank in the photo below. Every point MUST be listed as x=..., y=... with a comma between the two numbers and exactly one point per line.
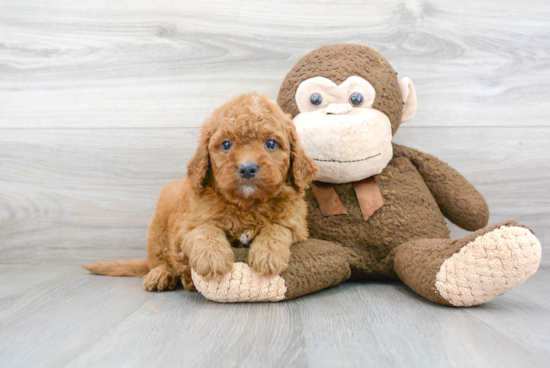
x=145, y=64
x=72, y=195
x=187, y=330
x=81, y=320
x=386, y=324
x=15, y=278
x=48, y=325
x=522, y=314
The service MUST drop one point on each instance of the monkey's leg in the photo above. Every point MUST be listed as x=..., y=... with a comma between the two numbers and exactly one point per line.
x=472, y=270
x=314, y=265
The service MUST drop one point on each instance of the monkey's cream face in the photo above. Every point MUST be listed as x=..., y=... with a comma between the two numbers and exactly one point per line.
x=340, y=130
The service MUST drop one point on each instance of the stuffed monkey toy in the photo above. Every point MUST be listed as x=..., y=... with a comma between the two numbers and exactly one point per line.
x=377, y=208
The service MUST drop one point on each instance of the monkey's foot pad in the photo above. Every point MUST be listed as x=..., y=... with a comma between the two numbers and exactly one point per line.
x=241, y=285
x=489, y=266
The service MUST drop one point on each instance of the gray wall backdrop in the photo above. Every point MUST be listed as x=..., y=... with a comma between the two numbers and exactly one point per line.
x=100, y=102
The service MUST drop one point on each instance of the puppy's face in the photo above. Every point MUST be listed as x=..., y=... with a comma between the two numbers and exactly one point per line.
x=249, y=148
x=249, y=153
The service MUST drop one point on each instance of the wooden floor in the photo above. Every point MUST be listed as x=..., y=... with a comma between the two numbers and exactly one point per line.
x=61, y=316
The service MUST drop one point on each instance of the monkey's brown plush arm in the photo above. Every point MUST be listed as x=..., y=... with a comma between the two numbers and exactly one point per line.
x=458, y=200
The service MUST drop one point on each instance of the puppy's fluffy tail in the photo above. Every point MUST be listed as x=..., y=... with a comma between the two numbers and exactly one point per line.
x=125, y=267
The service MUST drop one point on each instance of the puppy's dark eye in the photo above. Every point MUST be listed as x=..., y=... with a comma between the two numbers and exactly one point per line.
x=270, y=144
x=316, y=99
x=356, y=99
x=226, y=145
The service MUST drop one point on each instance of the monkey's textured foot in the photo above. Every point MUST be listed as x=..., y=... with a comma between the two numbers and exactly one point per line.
x=242, y=284
x=314, y=265
x=472, y=270
x=489, y=266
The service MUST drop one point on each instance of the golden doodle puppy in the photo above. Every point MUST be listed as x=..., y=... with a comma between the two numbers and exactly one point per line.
x=244, y=186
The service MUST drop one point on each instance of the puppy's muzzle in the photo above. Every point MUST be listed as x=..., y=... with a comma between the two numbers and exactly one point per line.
x=248, y=170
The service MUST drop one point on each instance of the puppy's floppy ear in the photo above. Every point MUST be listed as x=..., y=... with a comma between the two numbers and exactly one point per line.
x=197, y=169
x=303, y=170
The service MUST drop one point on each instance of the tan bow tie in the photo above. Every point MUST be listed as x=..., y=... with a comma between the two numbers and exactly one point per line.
x=367, y=192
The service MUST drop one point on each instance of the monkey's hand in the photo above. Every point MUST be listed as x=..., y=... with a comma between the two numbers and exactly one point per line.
x=457, y=198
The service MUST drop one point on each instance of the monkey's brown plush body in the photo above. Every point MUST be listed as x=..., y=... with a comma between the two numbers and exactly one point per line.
x=380, y=213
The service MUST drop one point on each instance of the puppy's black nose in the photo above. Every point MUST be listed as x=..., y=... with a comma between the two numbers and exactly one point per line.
x=248, y=170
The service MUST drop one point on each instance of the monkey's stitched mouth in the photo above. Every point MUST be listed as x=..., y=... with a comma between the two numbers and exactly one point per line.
x=346, y=162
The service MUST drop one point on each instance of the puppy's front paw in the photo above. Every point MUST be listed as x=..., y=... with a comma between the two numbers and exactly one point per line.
x=268, y=260
x=211, y=261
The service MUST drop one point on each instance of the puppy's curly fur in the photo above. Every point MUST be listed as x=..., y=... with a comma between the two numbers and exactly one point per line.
x=198, y=218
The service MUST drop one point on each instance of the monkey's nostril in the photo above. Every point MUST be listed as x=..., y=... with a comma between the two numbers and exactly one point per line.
x=248, y=170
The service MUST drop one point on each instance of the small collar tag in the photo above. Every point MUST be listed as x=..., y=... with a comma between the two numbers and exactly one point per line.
x=367, y=192
x=369, y=196
x=327, y=198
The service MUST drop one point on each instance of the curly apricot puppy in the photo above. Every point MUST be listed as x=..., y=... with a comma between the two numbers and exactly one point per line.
x=244, y=185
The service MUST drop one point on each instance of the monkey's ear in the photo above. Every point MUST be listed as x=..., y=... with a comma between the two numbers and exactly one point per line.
x=303, y=170
x=408, y=94
x=198, y=166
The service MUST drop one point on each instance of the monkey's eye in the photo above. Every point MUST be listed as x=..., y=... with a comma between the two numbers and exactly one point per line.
x=316, y=99
x=226, y=145
x=356, y=99
x=270, y=145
